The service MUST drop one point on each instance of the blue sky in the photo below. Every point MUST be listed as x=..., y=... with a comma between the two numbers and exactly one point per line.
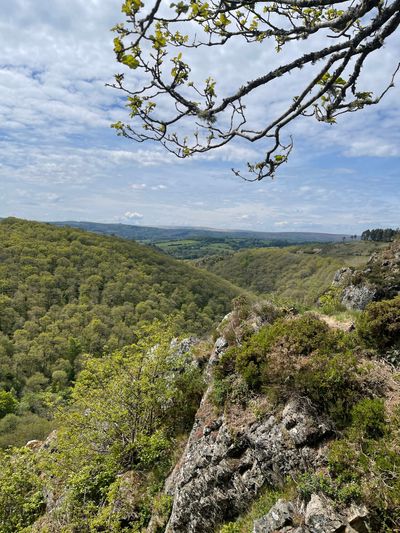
x=59, y=159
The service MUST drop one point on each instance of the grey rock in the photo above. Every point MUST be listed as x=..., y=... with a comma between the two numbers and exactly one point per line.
x=34, y=444
x=320, y=516
x=357, y=516
x=220, y=344
x=222, y=470
x=280, y=515
x=184, y=346
x=358, y=296
x=342, y=276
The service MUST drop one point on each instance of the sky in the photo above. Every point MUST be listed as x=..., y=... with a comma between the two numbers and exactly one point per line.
x=60, y=160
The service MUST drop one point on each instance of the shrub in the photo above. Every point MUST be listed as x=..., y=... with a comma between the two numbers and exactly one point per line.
x=331, y=381
x=300, y=336
x=241, y=306
x=367, y=458
x=379, y=325
x=303, y=335
x=8, y=404
x=299, y=355
x=21, y=496
x=309, y=484
x=330, y=301
x=368, y=418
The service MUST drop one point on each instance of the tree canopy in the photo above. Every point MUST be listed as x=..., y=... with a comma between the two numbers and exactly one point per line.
x=168, y=103
x=65, y=293
x=379, y=234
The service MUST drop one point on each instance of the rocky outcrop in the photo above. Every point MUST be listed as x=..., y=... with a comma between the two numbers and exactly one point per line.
x=342, y=276
x=380, y=280
x=227, y=462
x=358, y=296
x=319, y=516
x=353, y=296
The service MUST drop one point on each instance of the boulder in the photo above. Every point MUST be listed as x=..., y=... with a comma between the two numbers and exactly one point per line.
x=342, y=276
x=358, y=296
x=34, y=444
x=357, y=516
x=320, y=516
x=280, y=515
x=220, y=344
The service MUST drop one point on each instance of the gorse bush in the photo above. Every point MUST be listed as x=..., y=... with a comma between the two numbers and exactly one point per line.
x=330, y=301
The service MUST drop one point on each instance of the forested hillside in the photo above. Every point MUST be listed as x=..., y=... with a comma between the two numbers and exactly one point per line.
x=297, y=273
x=65, y=292
x=281, y=415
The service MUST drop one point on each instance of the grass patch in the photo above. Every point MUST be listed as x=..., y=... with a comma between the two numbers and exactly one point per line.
x=260, y=507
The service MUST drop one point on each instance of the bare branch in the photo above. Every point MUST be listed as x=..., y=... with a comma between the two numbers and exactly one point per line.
x=149, y=39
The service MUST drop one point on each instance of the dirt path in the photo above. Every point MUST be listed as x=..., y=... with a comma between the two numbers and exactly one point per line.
x=344, y=325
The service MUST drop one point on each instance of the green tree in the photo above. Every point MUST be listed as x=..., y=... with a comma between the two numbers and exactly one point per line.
x=126, y=411
x=8, y=404
x=21, y=496
x=162, y=42
x=125, y=403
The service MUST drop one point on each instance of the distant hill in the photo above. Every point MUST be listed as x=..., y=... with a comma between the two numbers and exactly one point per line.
x=154, y=234
x=194, y=243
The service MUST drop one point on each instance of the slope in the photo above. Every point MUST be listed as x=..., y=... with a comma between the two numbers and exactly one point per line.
x=64, y=293
x=296, y=273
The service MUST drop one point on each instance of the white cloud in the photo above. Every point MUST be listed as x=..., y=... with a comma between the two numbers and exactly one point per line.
x=133, y=215
x=59, y=158
x=50, y=197
x=374, y=146
x=138, y=186
x=281, y=223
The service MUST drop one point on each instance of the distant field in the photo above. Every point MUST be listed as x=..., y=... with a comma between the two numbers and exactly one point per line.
x=199, y=242
x=353, y=253
x=296, y=273
x=197, y=248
